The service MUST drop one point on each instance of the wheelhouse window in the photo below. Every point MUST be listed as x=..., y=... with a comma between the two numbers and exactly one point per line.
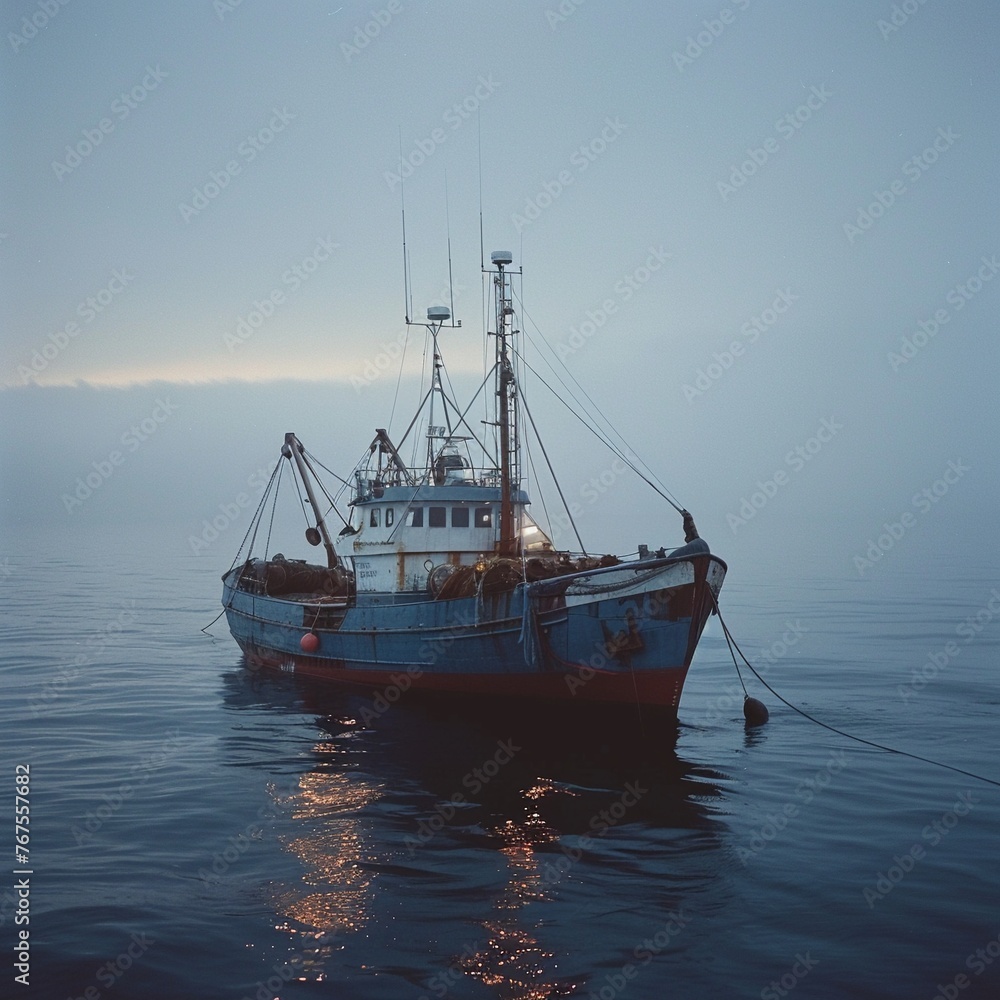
x=375, y=518
x=415, y=517
x=390, y=516
x=484, y=517
x=437, y=517
x=459, y=517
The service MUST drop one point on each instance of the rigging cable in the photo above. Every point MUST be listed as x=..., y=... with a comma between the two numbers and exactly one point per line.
x=610, y=445
x=461, y=416
x=340, y=479
x=545, y=455
x=538, y=485
x=302, y=503
x=254, y=522
x=611, y=429
x=407, y=294
x=423, y=375
x=447, y=216
x=256, y=516
x=399, y=377
x=659, y=487
x=274, y=507
x=627, y=454
x=307, y=458
x=834, y=729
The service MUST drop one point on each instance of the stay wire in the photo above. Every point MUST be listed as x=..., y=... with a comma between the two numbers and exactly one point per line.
x=256, y=517
x=302, y=503
x=399, y=378
x=604, y=439
x=254, y=523
x=274, y=507
x=659, y=486
x=834, y=729
x=729, y=643
x=537, y=483
x=552, y=473
x=308, y=458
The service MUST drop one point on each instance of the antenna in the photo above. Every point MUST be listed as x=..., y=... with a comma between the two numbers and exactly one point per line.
x=482, y=255
x=447, y=216
x=407, y=294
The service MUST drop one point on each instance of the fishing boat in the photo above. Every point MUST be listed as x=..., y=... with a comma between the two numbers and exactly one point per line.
x=439, y=580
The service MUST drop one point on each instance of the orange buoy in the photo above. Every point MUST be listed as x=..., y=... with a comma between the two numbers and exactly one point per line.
x=309, y=642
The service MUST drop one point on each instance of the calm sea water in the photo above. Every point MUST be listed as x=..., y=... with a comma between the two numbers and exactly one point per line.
x=200, y=830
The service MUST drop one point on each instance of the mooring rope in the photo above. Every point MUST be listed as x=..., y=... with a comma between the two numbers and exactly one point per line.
x=834, y=729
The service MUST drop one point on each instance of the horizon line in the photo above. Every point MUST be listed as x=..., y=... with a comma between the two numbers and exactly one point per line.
x=134, y=383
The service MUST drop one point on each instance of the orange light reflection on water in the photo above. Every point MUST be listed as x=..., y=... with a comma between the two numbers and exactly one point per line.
x=513, y=960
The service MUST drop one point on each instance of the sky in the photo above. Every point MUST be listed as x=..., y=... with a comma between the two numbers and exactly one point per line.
x=763, y=235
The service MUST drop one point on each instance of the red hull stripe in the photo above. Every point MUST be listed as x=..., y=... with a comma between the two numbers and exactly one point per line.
x=649, y=687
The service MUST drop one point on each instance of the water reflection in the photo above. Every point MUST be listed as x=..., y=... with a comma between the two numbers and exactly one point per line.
x=421, y=792
x=328, y=805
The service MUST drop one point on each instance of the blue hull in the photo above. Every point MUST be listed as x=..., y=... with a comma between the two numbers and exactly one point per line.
x=616, y=634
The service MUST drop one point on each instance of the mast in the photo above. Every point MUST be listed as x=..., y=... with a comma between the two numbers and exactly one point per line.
x=510, y=477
